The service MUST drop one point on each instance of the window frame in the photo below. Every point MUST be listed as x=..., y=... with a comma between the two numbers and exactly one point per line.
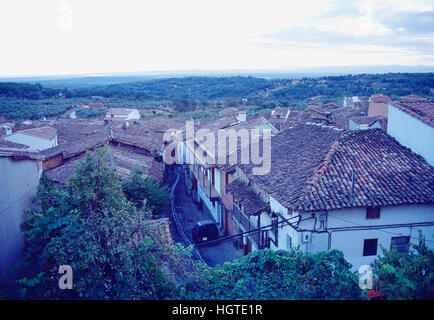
x=365, y=249
x=400, y=246
x=369, y=214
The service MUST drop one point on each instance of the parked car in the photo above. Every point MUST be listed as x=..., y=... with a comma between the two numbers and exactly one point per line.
x=204, y=231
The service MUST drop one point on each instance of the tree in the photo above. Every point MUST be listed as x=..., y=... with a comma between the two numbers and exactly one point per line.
x=142, y=191
x=113, y=250
x=406, y=275
x=267, y=274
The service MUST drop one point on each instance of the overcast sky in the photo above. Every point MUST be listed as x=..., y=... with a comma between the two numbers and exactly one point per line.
x=81, y=37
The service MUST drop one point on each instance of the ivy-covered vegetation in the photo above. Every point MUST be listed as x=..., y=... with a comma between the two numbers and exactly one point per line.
x=278, y=275
x=143, y=192
x=406, y=275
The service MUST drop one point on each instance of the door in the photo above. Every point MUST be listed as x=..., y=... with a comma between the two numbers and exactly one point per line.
x=226, y=222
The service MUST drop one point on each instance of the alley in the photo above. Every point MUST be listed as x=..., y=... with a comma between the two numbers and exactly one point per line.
x=189, y=214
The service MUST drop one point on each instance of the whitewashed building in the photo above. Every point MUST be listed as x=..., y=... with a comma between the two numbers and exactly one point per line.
x=354, y=191
x=411, y=122
x=122, y=114
x=204, y=176
x=20, y=171
x=36, y=138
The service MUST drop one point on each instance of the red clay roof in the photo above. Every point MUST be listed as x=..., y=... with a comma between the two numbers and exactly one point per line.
x=412, y=97
x=380, y=98
x=311, y=170
x=47, y=133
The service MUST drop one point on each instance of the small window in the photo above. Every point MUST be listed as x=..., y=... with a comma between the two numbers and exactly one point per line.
x=400, y=243
x=288, y=242
x=373, y=213
x=370, y=247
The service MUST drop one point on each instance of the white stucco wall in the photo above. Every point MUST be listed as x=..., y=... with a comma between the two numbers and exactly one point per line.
x=134, y=115
x=34, y=143
x=206, y=202
x=351, y=242
x=411, y=133
x=284, y=230
x=18, y=184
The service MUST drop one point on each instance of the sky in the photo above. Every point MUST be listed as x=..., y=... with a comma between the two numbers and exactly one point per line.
x=53, y=37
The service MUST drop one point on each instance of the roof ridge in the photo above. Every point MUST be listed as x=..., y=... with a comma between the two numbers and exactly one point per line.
x=322, y=167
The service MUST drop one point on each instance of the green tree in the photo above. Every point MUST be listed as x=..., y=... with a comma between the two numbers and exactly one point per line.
x=268, y=274
x=406, y=275
x=143, y=191
x=114, y=251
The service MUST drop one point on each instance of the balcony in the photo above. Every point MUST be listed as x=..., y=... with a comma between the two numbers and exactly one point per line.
x=260, y=237
x=205, y=184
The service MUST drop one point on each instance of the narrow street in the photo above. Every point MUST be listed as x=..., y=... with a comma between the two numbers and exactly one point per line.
x=189, y=214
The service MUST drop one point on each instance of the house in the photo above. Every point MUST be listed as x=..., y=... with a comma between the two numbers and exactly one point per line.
x=20, y=171
x=35, y=138
x=122, y=114
x=349, y=190
x=411, y=122
x=363, y=123
x=127, y=148
x=6, y=129
x=205, y=180
x=378, y=105
x=280, y=113
x=230, y=111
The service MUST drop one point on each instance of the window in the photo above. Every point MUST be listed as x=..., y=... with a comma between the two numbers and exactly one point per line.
x=400, y=243
x=373, y=213
x=370, y=247
x=288, y=242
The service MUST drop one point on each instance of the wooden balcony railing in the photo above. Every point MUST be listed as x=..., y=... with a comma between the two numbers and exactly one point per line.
x=205, y=184
x=260, y=237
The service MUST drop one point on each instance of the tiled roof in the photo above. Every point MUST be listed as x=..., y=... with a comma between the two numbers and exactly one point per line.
x=230, y=111
x=47, y=133
x=378, y=109
x=68, y=131
x=385, y=173
x=251, y=203
x=280, y=112
x=78, y=146
x=9, y=144
x=380, y=98
x=20, y=154
x=419, y=109
x=295, y=153
x=123, y=159
x=369, y=121
x=61, y=173
x=412, y=97
x=312, y=170
x=139, y=137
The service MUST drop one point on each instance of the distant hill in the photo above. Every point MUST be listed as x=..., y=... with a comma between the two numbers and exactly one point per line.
x=187, y=94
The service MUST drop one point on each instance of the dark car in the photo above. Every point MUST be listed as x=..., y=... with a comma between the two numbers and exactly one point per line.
x=204, y=231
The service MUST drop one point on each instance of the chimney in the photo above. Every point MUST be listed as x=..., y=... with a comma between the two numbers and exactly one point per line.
x=7, y=130
x=241, y=116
